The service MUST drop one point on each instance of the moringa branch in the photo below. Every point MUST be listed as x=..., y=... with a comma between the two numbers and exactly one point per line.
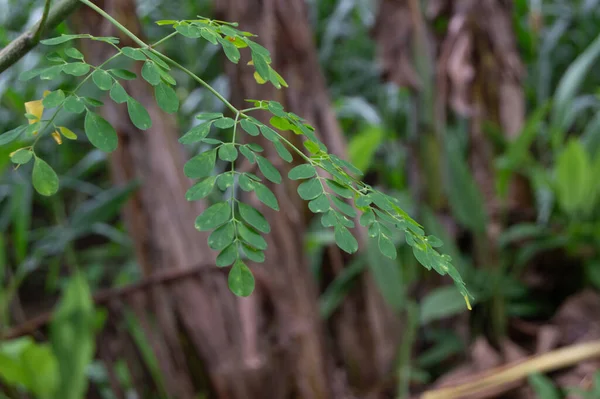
x=16, y=49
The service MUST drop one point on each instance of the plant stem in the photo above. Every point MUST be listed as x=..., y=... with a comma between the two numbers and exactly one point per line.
x=16, y=49
x=141, y=43
x=49, y=122
x=164, y=39
x=42, y=25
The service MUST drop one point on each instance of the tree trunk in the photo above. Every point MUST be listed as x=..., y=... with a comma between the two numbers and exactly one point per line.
x=160, y=222
x=365, y=332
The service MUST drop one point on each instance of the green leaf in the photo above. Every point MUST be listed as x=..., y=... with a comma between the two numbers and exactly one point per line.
x=123, y=74
x=222, y=237
x=251, y=237
x=225, y=180
x=72, y=338
x=224, y=123
x=201, y=165
x=302, y=172
x=93, y=101
x=343, y=206
x=76, y=69
x=118, y=94
x=574, y=179
x=283, y=152
x=247, y=152
x=138, y=114
x=543, y=387
x=209, y=116
x=12, y=135
x=201, y=189
x=246, y=183
x=339, y=189
x=166, y=98
x=60, y=39
x=134, y=53
x=30, y=74
x=74, y=53
x=21, y=156
x=269, y=133
x=249, y=127
x=209, y=35
x=232, y=53
x=253, y=254
x=52, y=72
x=268, y=170
x=441, y=303
x=100, y=133
x=367, y=218
x=319, y=204
x=44, y=179
x=362, y=147
x=190, y=31
x=465, y=197
x=310, y=189
x=156, y=59
x=363, y=201
x=257, y=48
x=344, y=239
x=261, y=65
x=74, y=104
x=386, y=246
x=266, y=196
x=227, y=256
x=102, y=79
x=151, y=73
x=214, y=216
x=197, y=133
x=53, y=99
x=254, y=218
x=228, y=152
x=241, y=280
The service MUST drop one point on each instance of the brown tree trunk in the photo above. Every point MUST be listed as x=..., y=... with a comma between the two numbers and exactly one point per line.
x=364, y=328
x=216, y=323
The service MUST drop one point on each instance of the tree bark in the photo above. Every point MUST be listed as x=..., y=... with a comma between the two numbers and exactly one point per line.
x=160, y=221
x=364, y=329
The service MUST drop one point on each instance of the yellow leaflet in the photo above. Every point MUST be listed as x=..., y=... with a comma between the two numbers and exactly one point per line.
x=56, y=136
x=468, y=302
x=34, y=108
x=68, y=133
x=258, y=79
x=46, y=92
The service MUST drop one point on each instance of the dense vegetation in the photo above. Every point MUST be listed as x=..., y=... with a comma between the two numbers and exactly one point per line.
x=479, y=121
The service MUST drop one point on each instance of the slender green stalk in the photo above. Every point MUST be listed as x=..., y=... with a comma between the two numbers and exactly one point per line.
x=141, y=43
x=164, y=39
x=42, y=25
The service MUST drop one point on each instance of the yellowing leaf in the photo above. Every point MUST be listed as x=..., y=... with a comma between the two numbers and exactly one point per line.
x=46, y=92
x=468, y=302
x=68, y=133
x=34, y=108
x=56, y=136
x=259, y=79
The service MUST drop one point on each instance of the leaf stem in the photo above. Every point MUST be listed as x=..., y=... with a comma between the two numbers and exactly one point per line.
x=164, y=39
x=141, y=43
x=42, y=25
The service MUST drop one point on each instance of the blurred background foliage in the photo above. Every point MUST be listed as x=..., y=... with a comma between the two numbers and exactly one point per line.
x=546, y=259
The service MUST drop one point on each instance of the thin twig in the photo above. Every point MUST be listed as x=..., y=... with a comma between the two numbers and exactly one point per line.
x=16, y=49
x=42, y=23
x=107, y=295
